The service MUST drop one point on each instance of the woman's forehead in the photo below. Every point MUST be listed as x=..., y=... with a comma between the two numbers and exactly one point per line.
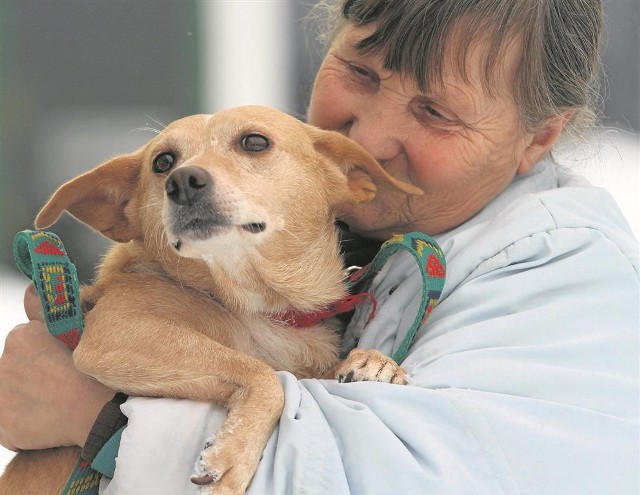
x=463, y=64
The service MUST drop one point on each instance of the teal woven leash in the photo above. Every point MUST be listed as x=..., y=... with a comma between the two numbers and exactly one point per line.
x=432, y=264
x=432, y=268
x=42, y=258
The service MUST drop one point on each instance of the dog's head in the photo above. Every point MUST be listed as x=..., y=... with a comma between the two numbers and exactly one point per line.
x=220, y=187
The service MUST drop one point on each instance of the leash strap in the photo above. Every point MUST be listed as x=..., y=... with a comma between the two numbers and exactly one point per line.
x=430, y=259
x=42, y=258
x=431, y=262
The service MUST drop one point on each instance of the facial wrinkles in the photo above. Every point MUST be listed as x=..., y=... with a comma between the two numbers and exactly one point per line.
x=492, y=130
x=479, y=128
x=392, y=100
x=461, y=161
x=479, y=120
x=380, y=123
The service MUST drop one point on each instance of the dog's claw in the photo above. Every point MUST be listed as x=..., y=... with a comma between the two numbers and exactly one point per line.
x=362, y=365
x=207, y=479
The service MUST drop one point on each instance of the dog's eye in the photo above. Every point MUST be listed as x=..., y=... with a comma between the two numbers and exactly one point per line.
x=163, y=162
x=254, y=142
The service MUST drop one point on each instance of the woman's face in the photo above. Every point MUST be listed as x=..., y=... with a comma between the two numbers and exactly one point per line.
x=459, y=145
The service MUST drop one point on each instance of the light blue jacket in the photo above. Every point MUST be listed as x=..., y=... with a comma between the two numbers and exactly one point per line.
x=524, y=380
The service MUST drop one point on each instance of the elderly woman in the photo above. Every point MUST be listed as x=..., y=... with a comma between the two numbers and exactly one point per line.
x=525, y=377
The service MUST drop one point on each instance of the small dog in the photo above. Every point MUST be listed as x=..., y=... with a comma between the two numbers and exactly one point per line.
x=223, y=224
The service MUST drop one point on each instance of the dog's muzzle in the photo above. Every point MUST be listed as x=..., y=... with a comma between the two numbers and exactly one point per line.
x=187, y=185
x=190, y=193
x=193, y=214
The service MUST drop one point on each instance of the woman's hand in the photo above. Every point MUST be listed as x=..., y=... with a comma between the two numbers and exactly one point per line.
x=46, y=402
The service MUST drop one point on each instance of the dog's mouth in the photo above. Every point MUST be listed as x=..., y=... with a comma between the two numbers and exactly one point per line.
x=202, y=229
x=197, y=227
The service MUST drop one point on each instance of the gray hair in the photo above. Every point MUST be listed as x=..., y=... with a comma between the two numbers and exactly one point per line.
x=559, y=69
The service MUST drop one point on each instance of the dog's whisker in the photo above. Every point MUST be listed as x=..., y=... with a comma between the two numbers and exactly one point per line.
x=146, y=129
x=157, y=204
x=149, y=128
x=292, y=233
x=160, y=123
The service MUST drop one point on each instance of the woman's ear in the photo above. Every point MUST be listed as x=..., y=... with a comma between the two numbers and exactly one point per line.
x=542, y=140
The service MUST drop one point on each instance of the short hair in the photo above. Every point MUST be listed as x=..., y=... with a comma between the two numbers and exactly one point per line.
x=559, y=68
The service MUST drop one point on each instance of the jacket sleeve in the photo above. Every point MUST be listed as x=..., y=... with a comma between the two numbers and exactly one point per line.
x=524, y=380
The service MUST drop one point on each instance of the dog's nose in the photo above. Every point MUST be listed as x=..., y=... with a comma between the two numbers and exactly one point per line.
x=186, y=185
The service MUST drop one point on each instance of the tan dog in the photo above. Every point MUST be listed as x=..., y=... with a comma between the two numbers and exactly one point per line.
x=224, y=222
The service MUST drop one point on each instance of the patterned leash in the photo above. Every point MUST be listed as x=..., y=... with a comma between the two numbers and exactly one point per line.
x=42, y=258
x=432, y=265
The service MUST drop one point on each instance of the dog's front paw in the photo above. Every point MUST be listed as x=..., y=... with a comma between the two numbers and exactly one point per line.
x=220, y=471
x=369, y=365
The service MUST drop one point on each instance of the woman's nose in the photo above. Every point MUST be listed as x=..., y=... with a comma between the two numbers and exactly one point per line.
x=375, y=134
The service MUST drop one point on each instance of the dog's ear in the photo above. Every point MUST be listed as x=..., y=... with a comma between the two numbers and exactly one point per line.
x=362, y=170
x=99, y=199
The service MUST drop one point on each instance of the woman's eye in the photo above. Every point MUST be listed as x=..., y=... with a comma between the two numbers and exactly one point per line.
x=425, y=111
x=432, y=111
x=359, y=70
x=363, y=75
x=163, y=162
x=254, y=142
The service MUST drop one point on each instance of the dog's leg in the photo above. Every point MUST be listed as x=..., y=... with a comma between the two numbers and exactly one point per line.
x=152, y=354
x=230, y=457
